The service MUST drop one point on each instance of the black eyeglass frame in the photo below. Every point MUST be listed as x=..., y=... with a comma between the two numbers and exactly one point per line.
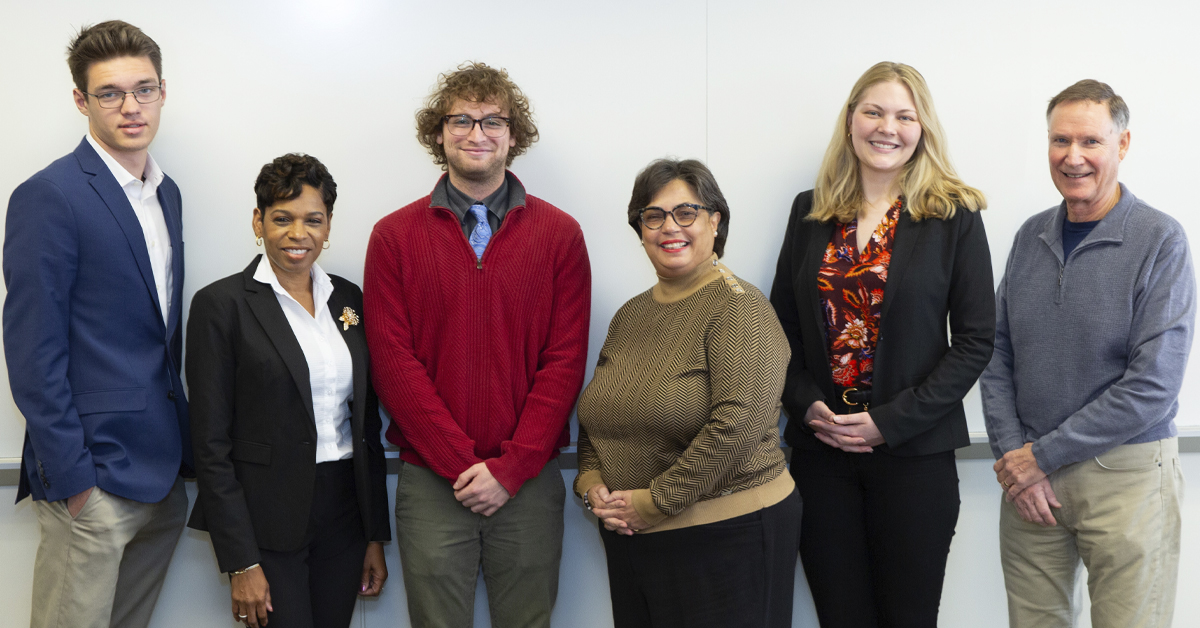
x=671, y=213
x=121, y=103
x=474, y=121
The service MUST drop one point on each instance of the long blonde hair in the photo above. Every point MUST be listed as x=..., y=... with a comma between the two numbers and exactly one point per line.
x=929, y=184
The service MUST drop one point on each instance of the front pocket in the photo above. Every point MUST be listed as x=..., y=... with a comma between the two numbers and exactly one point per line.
x=247, y=451
x=1131, y=457
x=110, y=400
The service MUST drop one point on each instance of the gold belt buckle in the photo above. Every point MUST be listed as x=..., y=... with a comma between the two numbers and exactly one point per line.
x=847, y=401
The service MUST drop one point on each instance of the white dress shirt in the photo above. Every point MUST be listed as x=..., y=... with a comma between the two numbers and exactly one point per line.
x=330, y=369
x=143, y=197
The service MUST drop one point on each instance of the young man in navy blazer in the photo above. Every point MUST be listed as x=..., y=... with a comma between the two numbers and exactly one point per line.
x=93, y=263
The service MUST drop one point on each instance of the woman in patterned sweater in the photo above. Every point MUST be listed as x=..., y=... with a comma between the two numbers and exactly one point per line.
x=678, y=430
x=886, y=251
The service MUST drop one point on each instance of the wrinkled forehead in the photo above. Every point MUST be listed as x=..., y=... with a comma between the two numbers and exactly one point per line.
x=1082, y=116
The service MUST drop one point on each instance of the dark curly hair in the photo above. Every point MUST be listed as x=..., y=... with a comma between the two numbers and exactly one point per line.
x=109, y=40
x=654, y=177
x=478, y=83
x=283, y=180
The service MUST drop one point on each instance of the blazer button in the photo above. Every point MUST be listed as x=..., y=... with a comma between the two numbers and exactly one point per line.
x=171, y=395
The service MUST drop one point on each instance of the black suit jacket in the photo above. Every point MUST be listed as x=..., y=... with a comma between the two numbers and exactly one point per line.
x=940, y=270
x=253, y=429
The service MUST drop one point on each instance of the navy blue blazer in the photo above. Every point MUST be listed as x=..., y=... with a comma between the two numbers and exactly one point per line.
x=92, y=366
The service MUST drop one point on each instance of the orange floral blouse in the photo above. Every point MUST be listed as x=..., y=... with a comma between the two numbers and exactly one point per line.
x=851, y=287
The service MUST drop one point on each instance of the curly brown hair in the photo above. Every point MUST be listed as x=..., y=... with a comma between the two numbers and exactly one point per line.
x=476, y=82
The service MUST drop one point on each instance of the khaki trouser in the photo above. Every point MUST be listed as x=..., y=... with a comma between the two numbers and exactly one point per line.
x=1119, y=518
x=104, y=567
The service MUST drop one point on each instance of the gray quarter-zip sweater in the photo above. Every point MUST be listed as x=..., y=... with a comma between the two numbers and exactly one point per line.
x=1090, y=350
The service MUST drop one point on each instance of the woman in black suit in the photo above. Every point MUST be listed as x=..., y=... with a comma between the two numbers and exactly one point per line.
x=877, y=258
x=285, y=424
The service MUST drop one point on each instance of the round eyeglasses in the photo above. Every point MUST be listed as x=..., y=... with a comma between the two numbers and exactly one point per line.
x=684, y=214
x=492, y=126
x=116, y=98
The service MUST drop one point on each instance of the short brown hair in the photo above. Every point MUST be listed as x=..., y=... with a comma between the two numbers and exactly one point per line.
x=654, y=177
x=109, y=40
x=285, y=177
x=478, y=83
x=1097, y=92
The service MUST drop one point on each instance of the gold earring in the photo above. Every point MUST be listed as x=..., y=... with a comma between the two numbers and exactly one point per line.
x=325, y=246
x=258, y=241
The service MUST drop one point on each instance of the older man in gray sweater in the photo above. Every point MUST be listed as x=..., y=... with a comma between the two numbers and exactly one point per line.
x=1093, y=330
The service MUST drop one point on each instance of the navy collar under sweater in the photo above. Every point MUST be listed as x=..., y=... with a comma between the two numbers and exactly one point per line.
x=1110, y=229
x=510, y=194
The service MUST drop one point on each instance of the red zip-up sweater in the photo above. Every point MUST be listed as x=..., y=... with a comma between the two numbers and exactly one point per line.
x=478, y=361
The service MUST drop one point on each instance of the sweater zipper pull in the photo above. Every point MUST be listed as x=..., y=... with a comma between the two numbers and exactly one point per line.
x=1060, y=275
x=479, y=266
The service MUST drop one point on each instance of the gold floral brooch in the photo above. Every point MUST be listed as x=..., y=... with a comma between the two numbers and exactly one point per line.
x=348, y=318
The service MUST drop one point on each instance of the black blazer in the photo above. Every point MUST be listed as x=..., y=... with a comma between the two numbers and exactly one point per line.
x=939, y=269
x=253, y=430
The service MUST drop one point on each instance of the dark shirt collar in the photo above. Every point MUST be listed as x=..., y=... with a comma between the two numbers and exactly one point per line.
x=497, y=202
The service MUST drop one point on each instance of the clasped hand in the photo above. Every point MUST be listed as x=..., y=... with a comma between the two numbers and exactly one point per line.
x=855, y=433
x=478, y=490
x=615, y=510
x=1026, y=485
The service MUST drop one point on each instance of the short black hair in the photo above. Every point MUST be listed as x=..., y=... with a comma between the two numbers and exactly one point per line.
x=285, y=177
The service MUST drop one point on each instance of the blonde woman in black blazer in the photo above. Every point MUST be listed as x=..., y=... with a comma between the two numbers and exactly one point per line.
x=873, y=439
x=300, y=539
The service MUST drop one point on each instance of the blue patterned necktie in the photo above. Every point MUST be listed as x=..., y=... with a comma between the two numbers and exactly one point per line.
x=482, y=231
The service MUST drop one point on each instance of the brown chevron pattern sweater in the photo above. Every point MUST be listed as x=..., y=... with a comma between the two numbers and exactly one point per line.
x=683, y=408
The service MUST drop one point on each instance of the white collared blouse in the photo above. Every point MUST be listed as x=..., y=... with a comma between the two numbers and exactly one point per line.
x=330, y=368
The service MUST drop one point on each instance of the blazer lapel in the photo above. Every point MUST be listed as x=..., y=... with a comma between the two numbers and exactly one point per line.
x=819, y=235
x=114, y=197
x=172, y=213
x=356, y=343
x=903, y=244
x=266, y=309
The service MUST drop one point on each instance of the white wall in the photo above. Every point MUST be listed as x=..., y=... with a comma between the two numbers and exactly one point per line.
x=751, y=87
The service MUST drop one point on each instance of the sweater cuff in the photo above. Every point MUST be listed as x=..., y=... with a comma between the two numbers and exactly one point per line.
x=643, y=503
x=587, y=480
x=506, y=475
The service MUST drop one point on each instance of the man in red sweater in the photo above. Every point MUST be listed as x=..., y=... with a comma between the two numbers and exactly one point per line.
x=476, y=304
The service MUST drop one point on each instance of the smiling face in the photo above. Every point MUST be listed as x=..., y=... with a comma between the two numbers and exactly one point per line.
x=126, y=131
x=293, y=233
x=884, y=129
x=475, y=157
x=1086, y=150
x=676, y=251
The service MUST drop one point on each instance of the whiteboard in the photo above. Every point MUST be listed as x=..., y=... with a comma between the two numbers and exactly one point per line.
x=752, y=88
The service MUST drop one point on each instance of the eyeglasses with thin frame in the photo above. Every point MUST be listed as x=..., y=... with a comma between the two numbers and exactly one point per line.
x=116, y=98
x=493, y=126
x=684, y=214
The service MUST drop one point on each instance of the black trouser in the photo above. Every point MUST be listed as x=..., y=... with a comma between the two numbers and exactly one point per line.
x=317, y=585
x=737, y=572
x=875, y=535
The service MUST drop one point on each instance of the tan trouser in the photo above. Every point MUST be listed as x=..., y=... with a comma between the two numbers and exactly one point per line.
x=104, y=567
x=1120, y=518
